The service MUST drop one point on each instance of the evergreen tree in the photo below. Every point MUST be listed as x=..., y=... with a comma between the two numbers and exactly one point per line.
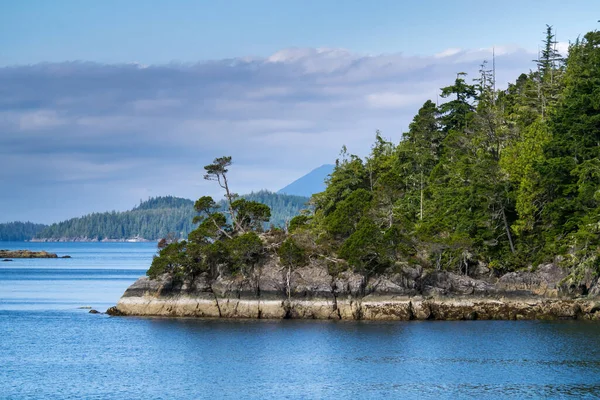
x=505, y=178
x=456, y=112
x=570, y=170
x=19, y=231
x=419, y=152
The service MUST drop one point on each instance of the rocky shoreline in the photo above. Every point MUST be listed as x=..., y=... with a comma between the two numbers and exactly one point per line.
x=410, y=294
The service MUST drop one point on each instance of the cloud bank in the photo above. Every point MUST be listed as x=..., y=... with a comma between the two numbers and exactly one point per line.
x=78, y=137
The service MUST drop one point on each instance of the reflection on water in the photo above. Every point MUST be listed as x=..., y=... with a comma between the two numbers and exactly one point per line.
x=51, y=349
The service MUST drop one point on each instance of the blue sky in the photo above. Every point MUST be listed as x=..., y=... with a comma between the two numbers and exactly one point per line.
x=148, y=31
x=106, y=103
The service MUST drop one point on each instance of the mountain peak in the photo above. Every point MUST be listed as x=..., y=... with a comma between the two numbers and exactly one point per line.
x=309, y=184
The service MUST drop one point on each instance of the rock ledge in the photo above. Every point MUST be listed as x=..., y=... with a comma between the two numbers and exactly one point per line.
x=411, y=294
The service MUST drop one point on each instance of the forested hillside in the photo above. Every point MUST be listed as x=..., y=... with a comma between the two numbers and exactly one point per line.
x=18, y=231
x=152, y=219
x=283, y=207
x=505, y=178
x=158, y=217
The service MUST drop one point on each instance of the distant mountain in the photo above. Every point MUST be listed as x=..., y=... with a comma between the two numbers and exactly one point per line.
x=309, y=184
x=19, y=231
x=157, y=217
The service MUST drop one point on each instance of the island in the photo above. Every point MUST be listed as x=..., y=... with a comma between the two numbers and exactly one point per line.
x=230, y=267
x=488, y=208
x=9, y=254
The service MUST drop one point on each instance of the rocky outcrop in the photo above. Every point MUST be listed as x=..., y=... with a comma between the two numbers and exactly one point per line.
x=409, y=293
x=114, y=311
x=543, y=282
x=7, y=254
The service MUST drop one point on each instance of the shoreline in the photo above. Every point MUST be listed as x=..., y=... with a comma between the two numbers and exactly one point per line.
x=414, y=309
x=411, y=294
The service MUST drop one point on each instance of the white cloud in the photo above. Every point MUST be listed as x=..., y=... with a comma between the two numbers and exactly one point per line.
x=562, y=48
x=136, y=130
x=448, y=52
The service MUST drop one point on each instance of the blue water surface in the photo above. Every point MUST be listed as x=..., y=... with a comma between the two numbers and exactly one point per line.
x=51, y=349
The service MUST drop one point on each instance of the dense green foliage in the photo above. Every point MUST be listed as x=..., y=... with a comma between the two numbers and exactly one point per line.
x=226, y=236
x=18, y=231
x=157, y=217
x=291, y=255
x=505, y=178
x=297, y=222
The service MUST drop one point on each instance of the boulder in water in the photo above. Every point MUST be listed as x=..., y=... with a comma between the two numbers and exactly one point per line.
x=114, y=311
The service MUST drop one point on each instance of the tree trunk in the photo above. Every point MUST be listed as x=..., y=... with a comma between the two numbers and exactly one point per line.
x=510, y=241
x=229, y=196
x=421, y=214
x=288, y=278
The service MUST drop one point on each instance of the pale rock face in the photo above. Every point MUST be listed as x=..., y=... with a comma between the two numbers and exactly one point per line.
x=271, y=280
x=595, y=291
x=421, y=310
x=311, y=282
x=181, y=306
x=442, y=283
x=543, y=282
x=349, y=285
x=349, y=309
x=385, y=310
x=145, y=286
x=394, y=285
x=237, y=308
x=313, y=309
x=272, y=309
x=410, y=294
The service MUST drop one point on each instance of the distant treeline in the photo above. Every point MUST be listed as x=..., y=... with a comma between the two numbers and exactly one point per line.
x=19, y=231
x=152, y=219
x=283, y=207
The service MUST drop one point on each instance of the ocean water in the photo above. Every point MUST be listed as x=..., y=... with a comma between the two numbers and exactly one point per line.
x=51, y=349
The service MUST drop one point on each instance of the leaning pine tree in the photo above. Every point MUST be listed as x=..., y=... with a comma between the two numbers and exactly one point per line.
x=223, y=239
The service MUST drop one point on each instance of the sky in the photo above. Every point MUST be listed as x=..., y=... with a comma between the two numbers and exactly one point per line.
x=103, y=104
